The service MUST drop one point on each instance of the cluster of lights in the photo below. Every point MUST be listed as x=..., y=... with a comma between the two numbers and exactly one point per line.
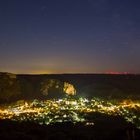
x=69, y=110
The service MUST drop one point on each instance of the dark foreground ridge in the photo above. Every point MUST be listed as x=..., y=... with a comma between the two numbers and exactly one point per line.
x=105, y=128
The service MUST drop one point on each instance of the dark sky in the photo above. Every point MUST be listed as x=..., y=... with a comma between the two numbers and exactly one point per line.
x=69, y=36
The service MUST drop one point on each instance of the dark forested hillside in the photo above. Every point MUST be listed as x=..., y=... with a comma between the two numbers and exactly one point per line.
x=14, y=87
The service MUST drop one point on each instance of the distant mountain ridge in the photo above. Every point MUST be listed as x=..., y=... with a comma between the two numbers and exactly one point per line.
x=17, y=87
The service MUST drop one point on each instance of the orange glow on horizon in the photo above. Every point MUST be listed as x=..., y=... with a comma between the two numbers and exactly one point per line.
x=113, y=72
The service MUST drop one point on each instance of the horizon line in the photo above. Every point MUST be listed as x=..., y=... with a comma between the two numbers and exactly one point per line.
x=82, y=73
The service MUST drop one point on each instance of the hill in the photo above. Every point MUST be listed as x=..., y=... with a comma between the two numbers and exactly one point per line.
x=17, y=87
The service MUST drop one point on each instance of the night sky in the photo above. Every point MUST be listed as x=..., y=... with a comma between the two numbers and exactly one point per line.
x=69, y=36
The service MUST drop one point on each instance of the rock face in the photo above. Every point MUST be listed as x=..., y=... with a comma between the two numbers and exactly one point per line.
x=50, y=85
x=69, y=89
x=59, y=88
x=9, y=87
